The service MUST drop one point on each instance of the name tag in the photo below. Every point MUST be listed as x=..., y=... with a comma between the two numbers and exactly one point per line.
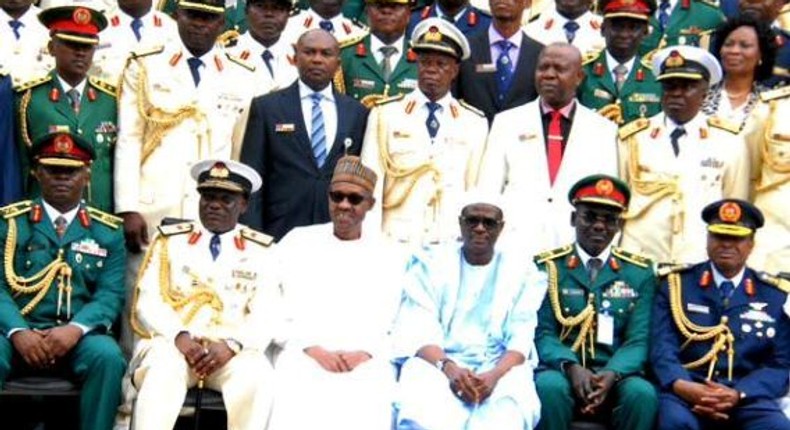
x=409, y=84
x=485, y=68
x=644, y=98
x=284, y=128
x=400, y=134
x=572, y=292
x=700, y=309
x=712, y=162
x=363, y=84
x=601, y=94
x=605, y=334
x=244, y=274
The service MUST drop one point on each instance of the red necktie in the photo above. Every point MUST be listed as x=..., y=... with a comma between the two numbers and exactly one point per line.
x=555, y=145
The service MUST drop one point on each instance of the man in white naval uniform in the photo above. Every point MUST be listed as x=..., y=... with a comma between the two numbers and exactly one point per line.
x=23, y=41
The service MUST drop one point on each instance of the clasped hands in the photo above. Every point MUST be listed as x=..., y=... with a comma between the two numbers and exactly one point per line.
x=468, y=386
x=337, y=361
x=709, y=399
x=204, y=356
x=590, y=388
x=41, y=349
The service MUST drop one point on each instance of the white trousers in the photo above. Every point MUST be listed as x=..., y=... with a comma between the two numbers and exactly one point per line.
x=163, y=377
x=426, y=401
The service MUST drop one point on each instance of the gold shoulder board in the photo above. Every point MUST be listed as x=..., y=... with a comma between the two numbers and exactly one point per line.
x=723, y=124
x=775, y=281
x=228, y=38
x=147, y=52
x=779, y=93
x=175, y=229
x=32, y=83
x=257, y=237
x=390, y=99
x=240, y=62
x=591, y=56
x=667, y=269
x=639, y=260
x=353, y=41
x=103, y=86
x=552, y=254
x=633, y=127
x=16, y=209
x=471, y=108
x=105, y=218
x=711, y=3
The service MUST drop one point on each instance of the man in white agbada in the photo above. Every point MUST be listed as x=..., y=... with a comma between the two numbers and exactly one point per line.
x=469, y=316
x=206, y=308
x=342, y=293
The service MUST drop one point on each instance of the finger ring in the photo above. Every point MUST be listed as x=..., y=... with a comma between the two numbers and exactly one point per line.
x=213, y=362
x=459, y=393
x=205, y=351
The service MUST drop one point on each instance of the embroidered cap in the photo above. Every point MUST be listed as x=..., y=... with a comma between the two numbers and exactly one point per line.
x=687, y=62
x=226, y=175
x=732, y=217
x=601, y=190
x=62, y=148
x=210, y=6
x=634, y=9
x=77, y=24
x=350, y=169
x=438, y=35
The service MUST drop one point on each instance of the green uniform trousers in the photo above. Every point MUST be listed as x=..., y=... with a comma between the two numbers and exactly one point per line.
x=633, y=406
x=98, y=364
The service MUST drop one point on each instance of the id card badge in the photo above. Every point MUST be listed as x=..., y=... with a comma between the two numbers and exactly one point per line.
x=605, y=329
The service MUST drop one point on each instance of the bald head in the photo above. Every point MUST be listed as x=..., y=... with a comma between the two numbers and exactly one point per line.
x=317, y=58
x=559, y=74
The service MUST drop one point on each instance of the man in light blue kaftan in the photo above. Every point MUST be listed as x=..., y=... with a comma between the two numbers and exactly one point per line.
x=468, y=318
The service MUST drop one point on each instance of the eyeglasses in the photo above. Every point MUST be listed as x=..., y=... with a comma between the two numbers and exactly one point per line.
x=474, y=221
x=353, y=198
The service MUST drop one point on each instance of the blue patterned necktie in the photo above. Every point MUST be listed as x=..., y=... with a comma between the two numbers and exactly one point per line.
x=327, y=25
x=137, y=24
x=15, y=25
x=432, y=122
x=674, y=138
x=571, y=27
x=214, y=246
x=663, y=15
x=74, y=99
x=726, y=288
x=194, y=67
x=267, y=59
x=504, y=69
x=318, y=132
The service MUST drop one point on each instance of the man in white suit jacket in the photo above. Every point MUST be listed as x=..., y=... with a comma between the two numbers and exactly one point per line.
x=520, y=162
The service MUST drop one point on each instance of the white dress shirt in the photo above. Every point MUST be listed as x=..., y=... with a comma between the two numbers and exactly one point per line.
x=328, y=108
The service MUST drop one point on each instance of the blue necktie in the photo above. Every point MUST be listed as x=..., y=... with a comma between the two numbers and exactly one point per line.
x=137, y=24
x=726, y=288
x=663, y=15
x=674, y=138
x=15, y=25
x=267, y=58
x=504, y=69
x=194, y=67
x=570, y=30
x=318, y=134
x=327, y=25
x=214, y=246
x=432, y=122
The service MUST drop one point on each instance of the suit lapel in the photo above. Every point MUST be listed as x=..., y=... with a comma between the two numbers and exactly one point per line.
x=47, y=228
x=483, y=57
x=369, y=61
x=520, y=78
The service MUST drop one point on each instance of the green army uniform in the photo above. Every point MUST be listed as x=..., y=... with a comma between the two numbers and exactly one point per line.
x=623, y=290
x=42, y=106
x=639, y=97
x=92, y=251
x=361, y=76
x=692, y=22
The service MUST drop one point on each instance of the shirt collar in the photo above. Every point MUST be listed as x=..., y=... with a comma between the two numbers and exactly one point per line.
x=440, y=13
x=66, y=87
x=698, y=119
x=611, y=63
x=376, y=44
x=494, y=37
x=28, y=18
x=718, y=278
x=585, y=257
x=337, y=20
x=53, y=213
x=305, y=91
x=422, y=100
x=224, y=238
x=565, y=111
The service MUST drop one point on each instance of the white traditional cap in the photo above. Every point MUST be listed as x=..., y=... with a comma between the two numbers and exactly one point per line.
x=686, y=62
x=226, y=175
x=439, y=35
x=478, y=196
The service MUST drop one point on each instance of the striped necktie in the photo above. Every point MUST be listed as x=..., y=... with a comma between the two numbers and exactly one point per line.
x=318, y=133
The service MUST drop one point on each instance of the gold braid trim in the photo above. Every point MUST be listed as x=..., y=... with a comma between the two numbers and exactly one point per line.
x=136, y=326
x=768, y=160
x=159, y=121
x=724, y=340
x=584, y=320
x=24, y=103
x=39, y=283
x=394, y=172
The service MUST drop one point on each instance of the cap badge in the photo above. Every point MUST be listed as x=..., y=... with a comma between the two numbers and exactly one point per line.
x=604, y=187
x=63, y=144
x=674, y=60
x=81, y=16
x=730, y=212
x=433, y=35
x=219, y=171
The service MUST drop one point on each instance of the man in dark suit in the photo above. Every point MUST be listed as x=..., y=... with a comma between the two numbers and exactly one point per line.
x=10, y=175
x=500, y=74
x=295, y=136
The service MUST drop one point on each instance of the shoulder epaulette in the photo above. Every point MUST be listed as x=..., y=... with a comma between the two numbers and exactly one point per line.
x=229, y=38
x=389, y=99
x=667, y=269
x=16, y=209
x=353, y=41
x=240, y=62
x=647, y=59
x=781, y=284
x=111, y=221
x=32, y=83
x=257, y=237
x=633, y=127
x=552, y=254
x=778, y=93
x=591, y=56
x=175, y=229
x=146, y=52
x=723, y=124
x=639, y=260
x=710, y=3
x=103, y=86
x=471, y=108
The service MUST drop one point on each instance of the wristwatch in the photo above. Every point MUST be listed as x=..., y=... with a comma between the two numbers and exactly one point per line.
x=442, y=363
x=234, y=345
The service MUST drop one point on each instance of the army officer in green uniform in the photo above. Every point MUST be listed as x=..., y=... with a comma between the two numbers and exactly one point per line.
x=618, y=82
x=62, y=284
x=592, y=335
x=381, y=64
x=682, y=22
x=68, y=100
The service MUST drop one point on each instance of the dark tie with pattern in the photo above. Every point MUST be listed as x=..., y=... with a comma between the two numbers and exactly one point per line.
x=674, y=137
x=504, y=69
x=594, y=267
x=137, y=24
x=432, y=122
x=571, y=27
x=327, y=25
x=15, y=25
x=663, y=15
x=74, y=99
x=60, y=226
x=214, y=246
x=194, y=67
x=267, y=59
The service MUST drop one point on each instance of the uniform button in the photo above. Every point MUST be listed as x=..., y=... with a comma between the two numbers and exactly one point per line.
x=550, y=200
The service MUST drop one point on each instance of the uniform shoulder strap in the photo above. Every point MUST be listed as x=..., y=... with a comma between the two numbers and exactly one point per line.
x=109, y=220
x=32, y=83
x=553, y=254
x=633, y=127
x=471, y=108
x=234, y=59
x=257, y=237
x=103, y=86
x=176, y=229
x=779, y=283
x=639, y=260
x=16, y=209
x=723, y=124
